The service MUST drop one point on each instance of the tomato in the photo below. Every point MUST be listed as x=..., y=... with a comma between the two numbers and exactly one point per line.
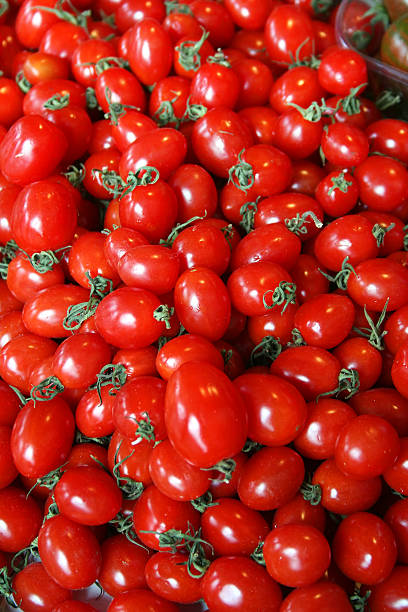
x=396, y=518
x=289, y=34
x=342, y=70
x=367, y=446
x=133, y=459
x=364, y=548
x=139, y=600
x=150, y=267
x=79, y=359
x=325, y=320
x=385, y=278
x=396, y=475
x=270, y=478
x=137, y=362
x=327, y=596
x=11, y=325
x=37, y=228
x=189, y=398
x=195, y=191
x=215, y=19
x=300, y=510
x=297, y=86
x=255, y=82
x=218, y=138
x=35, y=590
x=202, y=245
x=360, y=355
x=71, y=605
x=219, y=487
x=390, y=594
x=290, y=208
x=344, y=145
x=42, y=437
x=343, y=494
x=235, y=581
x=233, y=529
x=20, y=519
x=276, y=409
x=126, y=318
x=167, y=576
x=84, y=58
x=10, y=405
x=94, y=415
x=382, y=182
x=157, y=513
x=70, y=552
x=62, y=38
x=32, y=22
x=215, y=85
x=25, y=282
x=123, y=564
x=308, y=278
x=393, y=43
x=173, y=476
x=311, y=369
x=150, y=51
x=88, y=495
x=249, y=15
x=8, y=471
x=386, y=403
x=20, y=356
x=124, y=89
x=128, y=13
x=38, y=95
x=388, y=136
x=297, y=136
x=202, y=303
x=296, y=555
x=324, y=421
x=22, y=150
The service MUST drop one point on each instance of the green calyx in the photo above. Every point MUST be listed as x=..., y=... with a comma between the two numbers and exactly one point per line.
x=226, y=467
x=6, y=587
x=48, y=480
x=339, y=182
x=8, y=252
x=297, y=224
x=130, y=488
x=242, y=174
x=387, y=99
x=172, y=6
x=248, y=212
x=284, y=294
x=311, y=493
x=257, y=555
x=164, y=313
x=266, y=351
x=313, y=113
x=116, y=109
x=193, y=112
x=75, y=174
x=311, y=62
x=379, y=232
x=165, y=114
x=47, y=389
x=44, y=261
x=123, y=524
x=113, y=375
x=218, y=58
x=341, y=278
x=73, y=16
x=203, y=502
x=189, y=52
x=145, y=429
x=22, y=82
x=373, y=332
x=348, y=384
x=77, y=314
x=56, y=102
x=179, y=228
x=109, y=62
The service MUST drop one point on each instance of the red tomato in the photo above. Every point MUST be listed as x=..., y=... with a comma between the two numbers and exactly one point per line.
x=325, y=320
x=123, y=565
x=196, y=392
x=377, y=280
x=386, y=403
x=270, y=478
x=296, y=555
x=79, y=359
x=139, y=600
x=70, y=552
x=150, y=51
x=42, y=437
x=300, y=510
x=20, y=519
x=364, y=548
x=34, y=589
x=289, y=34
x=167, y=576
x=24, y=150
x=388, y=595
x=382, y=182
x=328, y=596
x=238, y=576
x=341, y=70
x=151, y=267
x=396, y=517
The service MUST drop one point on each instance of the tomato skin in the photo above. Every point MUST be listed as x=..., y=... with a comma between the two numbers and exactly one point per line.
x=367, y=446
x=396, y=518
x=335, y=150
x=35, y=590
x=375, y=281
x=202, y=246
x=327, y=596
x=232, y=528
x=166, y=575
x=190, y=399
x=253, y=588
x=21, y=518
x=342, y=69
x=195, y=191
x=392, y=593
x=299, y=85
x=215, y=85
x=296, y=555
x=387, y=403
x=311, y=369
x=138, y=328
x=308, y=279
x=202, y=303
x=151, y=267
x=138, y=362
x=139, y=600
x=94, y=416
x=150, y=51
x=397, y=475
x=173, y=476
x=163, y=148
x=42, y=437
x=79, y=359
x=296, y=136
x=358, y=354
x=8, y=471
x=88, y=495
x=343, y=494
x=325, y=320
x=288, y=34
x=10, y=405
x=249, y=15
x=22, y=354
x=123, y=565
x=278, y=208
x=382, y=182
x=124, y=87
x=70, y=552
x=154, y=511
x=364, y=548
x=218, y=138
x=270, y=478
x=22, y=158
x=276, y=409
x=388, y=136
x=24, y=282
x=300, y=510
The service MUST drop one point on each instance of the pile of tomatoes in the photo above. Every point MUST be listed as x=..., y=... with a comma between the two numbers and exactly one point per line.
x=203, y=312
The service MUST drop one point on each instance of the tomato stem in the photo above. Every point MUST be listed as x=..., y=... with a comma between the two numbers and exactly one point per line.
x=242, y=174
x=145, y=429
x=266, y=351
x=44, y=261
x=116, y=109
x=193, y=112
x=342, y=276
x=311, y=493
x=284, y=293
x=47, y=389
x=111, y=374
x=178, y=228
x=165, y=114
x=340, y=183
x=123, y=524
x=189, y=52
x=164, y=313
x=297, y=224
x=146, y=175
x=359, y=601
x=23, y=83
x=257, y=555
x=373, y=333
x=23, y=556
x=203, y=502
x=218, y=58
x=8, y=252
x=172, y=6
x=349, y=384
x=226, y=467
x=387, y=98
x=132, y=489
x=248, y=212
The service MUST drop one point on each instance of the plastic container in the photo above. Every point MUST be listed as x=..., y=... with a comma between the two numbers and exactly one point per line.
x=382, y=76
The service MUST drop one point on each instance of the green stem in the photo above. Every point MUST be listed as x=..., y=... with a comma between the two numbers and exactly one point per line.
x=56, y=102
x=284, y=294
x=297, y=224
x=242, y=174
x=266, y=351
x=47, y=389
x=189, y=52
x=342, y=276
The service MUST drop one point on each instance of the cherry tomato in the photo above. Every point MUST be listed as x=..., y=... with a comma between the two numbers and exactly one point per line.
x=167, y=576
x=20, y=519
x=34, y=589
x=327, y=596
